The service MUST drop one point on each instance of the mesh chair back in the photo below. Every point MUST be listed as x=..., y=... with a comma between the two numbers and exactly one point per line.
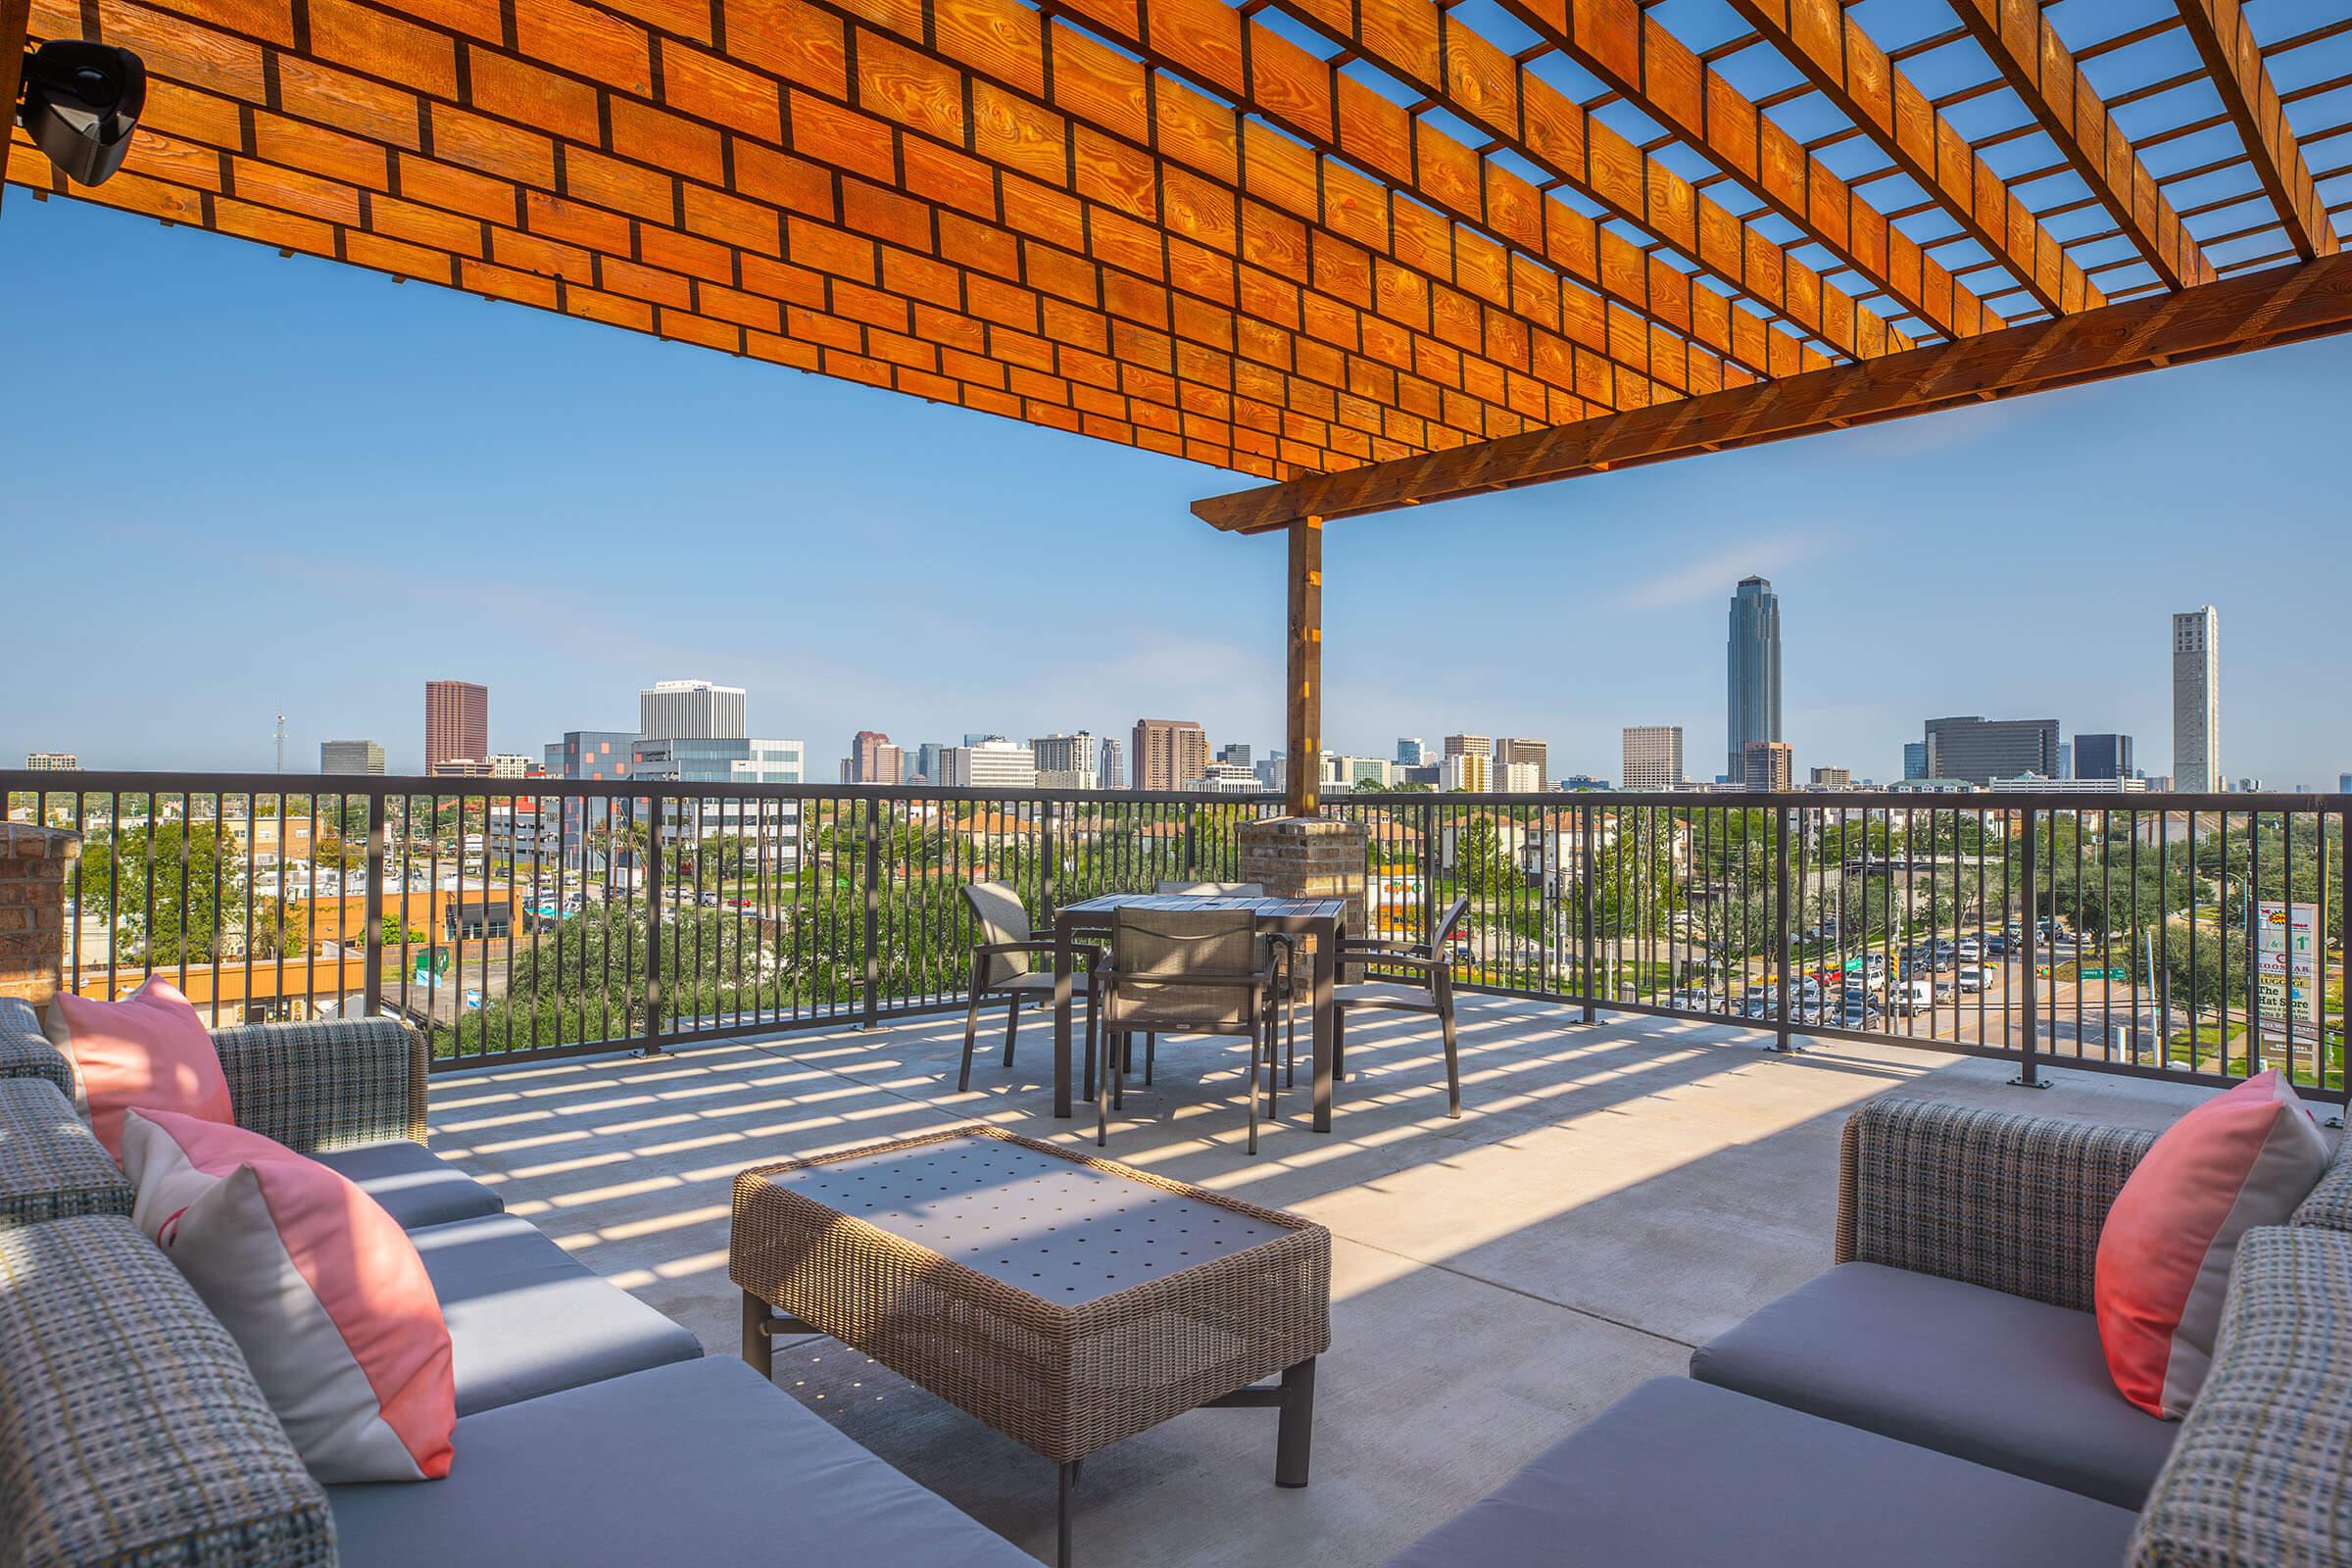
x=1216, y=890
x=1154, y=951
x=998, y=914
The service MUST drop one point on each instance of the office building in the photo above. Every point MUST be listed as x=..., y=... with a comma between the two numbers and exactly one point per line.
x=926, y=761
x=873, y=759
x=1412, y=751
x=1518, y=778
x=1168, y=751
x=1067, y=761
x=512, y=764
x=1767, y=765
x=1235, y=752
x=1653, y=756
x=691, y=709
x=1982, y=750
x=2035, y=784
x=1510, y=751
x=990, y=765
x=351, y=756
x=457, y=722
x=1915, y=759
x=2066, y=761
x=590, y=754
x=2343, y=783
x=1464, y=745
x=1270, y=771
x=719, y=760
x=1832, y=778
x=1752, y=672
x=2103, y=757
x=976, y=737
x=2197, y=700
x=59, y=762
x=1115, y=765
x=1226, y=778
x=1472, y=770
x=1347, y=772
x=1583, y=781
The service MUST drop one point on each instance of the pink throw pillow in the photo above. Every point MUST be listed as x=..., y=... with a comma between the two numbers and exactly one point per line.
x=150, y=1050
x=2241, y=1159
x=318, y=1285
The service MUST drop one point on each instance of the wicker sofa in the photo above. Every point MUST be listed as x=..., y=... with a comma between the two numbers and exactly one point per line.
x=591, y=1429
x=1938, y=1396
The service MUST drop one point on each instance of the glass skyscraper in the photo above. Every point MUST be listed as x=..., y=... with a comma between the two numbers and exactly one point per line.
x=1752, y=662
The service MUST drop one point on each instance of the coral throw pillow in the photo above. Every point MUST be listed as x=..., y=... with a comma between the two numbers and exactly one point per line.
x=148, y=1049
x=318, y=1285
x=2241, y=1159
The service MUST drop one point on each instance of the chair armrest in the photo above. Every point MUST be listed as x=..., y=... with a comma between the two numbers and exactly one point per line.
x=1984, y=1196
x=1384, y=944
x=25, y=1051
x=989, y=950
x=324, y=1086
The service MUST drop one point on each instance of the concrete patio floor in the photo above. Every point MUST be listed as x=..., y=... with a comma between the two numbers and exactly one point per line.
x=1613, y=1195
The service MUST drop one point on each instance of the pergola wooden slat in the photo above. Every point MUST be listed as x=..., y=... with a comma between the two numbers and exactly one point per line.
x=2020, y=40
x=2233, y=59
x=1355, y=247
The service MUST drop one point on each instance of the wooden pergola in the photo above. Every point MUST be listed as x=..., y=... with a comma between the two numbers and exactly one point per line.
x=1374, y=252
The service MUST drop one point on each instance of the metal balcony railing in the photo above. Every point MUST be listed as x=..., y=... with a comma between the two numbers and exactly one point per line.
x=2172, y=935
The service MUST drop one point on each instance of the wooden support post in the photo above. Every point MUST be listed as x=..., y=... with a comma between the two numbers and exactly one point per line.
x=16, y=17
x=1303, y=769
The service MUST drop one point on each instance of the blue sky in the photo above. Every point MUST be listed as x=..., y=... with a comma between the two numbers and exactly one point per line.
x=241, y=485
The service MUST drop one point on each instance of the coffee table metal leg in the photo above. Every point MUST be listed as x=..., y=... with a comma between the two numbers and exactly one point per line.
x=1295, y=1438
x=1061, y=1532
x=757, y=1348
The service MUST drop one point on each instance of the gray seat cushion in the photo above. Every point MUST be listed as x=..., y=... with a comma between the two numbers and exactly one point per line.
x=1980, y=1374
x=417, y=1187
x=527, y=1318
x=1681, y=1474
x=700, y=1463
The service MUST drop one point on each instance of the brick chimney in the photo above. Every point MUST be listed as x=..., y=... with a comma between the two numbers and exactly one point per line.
x=34, y=864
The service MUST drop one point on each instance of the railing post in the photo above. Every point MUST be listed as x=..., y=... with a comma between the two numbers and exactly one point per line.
x=653, y=857
x=1191, y=846
x=372, y=985
x=1782, y=955
x=1588, y=881
x=2028, y=1077
x=873, y=916
x=1428, y=870
x=1048, y=864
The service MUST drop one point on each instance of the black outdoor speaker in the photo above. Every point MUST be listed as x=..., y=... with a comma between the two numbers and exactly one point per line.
x=80, y=103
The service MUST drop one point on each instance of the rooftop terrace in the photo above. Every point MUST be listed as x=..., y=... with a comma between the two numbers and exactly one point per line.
x=1614, y=1194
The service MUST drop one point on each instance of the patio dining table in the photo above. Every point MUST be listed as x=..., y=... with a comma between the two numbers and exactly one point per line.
x=1322, y=919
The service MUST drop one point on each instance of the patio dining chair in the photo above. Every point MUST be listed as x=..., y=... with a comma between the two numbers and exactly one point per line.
x=1272, y=948
x=1425, y=984
x=1185, y=971
x=1004, y=965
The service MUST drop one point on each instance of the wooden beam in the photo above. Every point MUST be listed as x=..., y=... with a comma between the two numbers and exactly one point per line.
x=2020, y=40
x=15, y=14
x=2257, y=310
x=2234, y=60
x=1302, y=765
x=1828, y=46
x=1435, y=54
x=1635, y=54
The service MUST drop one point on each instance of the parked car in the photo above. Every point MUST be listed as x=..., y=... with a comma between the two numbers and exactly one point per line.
x=1912, y=996
x=1975, y=977
x=1858, y=1016
x=1971, y=950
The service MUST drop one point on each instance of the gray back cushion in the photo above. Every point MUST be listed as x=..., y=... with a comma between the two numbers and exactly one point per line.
x=130, y=1431
x=2257, y=1477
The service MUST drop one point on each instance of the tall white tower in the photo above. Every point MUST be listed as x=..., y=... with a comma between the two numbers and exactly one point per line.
x=2197, y=699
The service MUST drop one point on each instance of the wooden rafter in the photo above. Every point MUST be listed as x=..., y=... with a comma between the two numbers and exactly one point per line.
x=998, y=261
x=1829, y=47
x=1635, y=55
x=2236, y=314
x=1352, y=128
x=2234, y=58
x=1435, y=54
x=2020, y=40
x=15, y=16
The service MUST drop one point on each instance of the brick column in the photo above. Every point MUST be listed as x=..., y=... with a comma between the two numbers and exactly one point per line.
x=34, y=864
x=1309, y=858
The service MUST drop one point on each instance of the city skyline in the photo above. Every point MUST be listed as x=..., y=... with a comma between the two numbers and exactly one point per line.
x=2042, y=548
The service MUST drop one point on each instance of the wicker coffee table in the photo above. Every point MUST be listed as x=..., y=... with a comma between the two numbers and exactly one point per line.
x=1066, y=1301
